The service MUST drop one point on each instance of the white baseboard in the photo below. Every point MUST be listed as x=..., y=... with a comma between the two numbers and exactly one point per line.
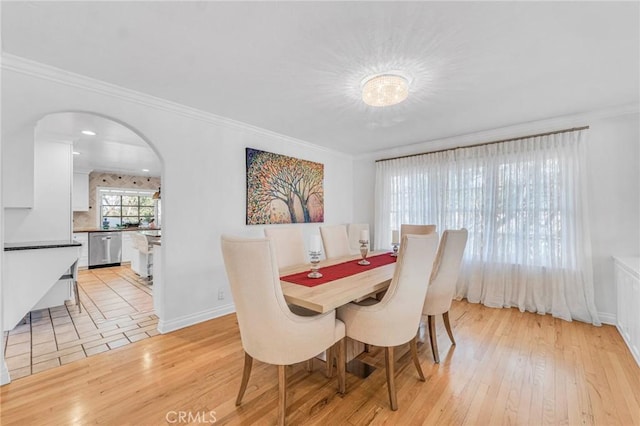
x=607, y=318
x=4, y=373
x=188, y=320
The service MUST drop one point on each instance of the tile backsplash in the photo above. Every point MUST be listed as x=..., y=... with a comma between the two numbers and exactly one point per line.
x=113, y=180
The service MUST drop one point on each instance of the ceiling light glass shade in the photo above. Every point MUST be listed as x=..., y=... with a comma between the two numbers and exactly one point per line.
x=385, y=89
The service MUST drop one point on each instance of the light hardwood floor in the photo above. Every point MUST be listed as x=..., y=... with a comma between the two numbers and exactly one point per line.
x=508, y=368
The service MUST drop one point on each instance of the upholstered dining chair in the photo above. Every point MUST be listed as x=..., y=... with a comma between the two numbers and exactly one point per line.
x=394, y=320
x=289, y=245
x=406, y=229
x=353, y=231
x=442, y=283
x=335, y=241
x=269, y=331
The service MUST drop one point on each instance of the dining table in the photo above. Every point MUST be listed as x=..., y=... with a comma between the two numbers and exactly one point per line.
x=344, y=281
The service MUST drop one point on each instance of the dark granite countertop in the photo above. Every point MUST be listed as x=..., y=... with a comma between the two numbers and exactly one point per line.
x=78, y=230
x=34, y=245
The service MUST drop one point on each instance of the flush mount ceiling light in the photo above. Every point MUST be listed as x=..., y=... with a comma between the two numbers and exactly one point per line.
x=385, y=89
x=88, y=132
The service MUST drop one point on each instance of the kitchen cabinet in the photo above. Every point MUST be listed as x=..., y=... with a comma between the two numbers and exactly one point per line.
x=18, y=168
x=627, y=275
x=126, y=252
x=80, y=192
x=127, y=248
x=83, y=238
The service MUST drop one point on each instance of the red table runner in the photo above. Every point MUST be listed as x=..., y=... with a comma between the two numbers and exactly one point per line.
x=340, y=270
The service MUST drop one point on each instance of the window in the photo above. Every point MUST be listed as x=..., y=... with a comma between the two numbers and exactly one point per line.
x=522, y=202
x=123, y=207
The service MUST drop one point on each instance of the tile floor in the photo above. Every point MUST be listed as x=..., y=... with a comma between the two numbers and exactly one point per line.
x=117, y=310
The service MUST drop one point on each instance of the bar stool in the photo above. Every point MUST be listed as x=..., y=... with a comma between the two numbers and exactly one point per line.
x=73, y=275
x=141, y=244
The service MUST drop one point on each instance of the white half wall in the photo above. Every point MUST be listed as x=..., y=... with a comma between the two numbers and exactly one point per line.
x=613, y=157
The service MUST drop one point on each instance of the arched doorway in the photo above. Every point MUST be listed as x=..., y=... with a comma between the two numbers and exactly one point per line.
x=116, y=179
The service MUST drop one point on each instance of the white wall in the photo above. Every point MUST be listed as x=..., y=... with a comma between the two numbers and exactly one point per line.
x=50, y=217
x=613, y=157
x=203, y=178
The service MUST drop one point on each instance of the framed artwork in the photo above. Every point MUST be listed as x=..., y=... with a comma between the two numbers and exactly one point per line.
x=282, y=189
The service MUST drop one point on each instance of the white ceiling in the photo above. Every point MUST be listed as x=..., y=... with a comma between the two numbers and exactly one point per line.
x=114, y=148
x=295, y=68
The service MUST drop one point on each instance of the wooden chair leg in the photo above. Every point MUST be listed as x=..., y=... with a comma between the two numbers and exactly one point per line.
x=367, y=347
x=329, y=356
x=341, y=361
x=309, y=365
x=447, y=325
x=391, y=377
x=414, y=354
x=248, y=361
x=282, y=394
x=432, y=336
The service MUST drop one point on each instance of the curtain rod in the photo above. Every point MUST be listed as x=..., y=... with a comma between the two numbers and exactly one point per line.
x=573, y=129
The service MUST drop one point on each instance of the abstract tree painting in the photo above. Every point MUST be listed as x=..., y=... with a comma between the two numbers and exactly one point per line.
x=283, y=189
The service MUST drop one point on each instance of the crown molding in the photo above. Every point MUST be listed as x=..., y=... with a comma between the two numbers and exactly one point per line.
x=36, y=69
x=512, y=131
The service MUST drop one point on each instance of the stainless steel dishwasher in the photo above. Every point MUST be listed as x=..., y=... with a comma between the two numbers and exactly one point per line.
x=105, y=249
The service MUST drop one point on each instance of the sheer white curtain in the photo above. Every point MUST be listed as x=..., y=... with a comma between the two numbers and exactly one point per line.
x=523, y=202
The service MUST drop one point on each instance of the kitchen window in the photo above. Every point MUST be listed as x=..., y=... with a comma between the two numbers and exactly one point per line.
x=126, y=207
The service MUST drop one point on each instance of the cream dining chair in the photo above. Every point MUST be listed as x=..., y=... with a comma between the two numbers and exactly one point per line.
x=354, y=236
x=406, y=229
x=269, y=331
x=335, y=241
x=394, y=320
x=289, y=245
x=442, y=284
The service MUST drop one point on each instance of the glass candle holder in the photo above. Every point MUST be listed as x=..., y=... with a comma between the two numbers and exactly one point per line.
x=315, y=259
x=364, y=250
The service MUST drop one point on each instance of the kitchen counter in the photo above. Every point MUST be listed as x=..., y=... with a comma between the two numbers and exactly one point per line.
x=34, y=245
x=152, y=233
x=76, y=230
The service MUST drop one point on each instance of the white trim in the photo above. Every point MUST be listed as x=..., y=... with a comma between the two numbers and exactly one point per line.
x=608, y=318
x=192, y=319
x=4, y=374
x=47, y=72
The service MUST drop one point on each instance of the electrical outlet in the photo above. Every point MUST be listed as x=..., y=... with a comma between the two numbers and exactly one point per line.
x=220, y=294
